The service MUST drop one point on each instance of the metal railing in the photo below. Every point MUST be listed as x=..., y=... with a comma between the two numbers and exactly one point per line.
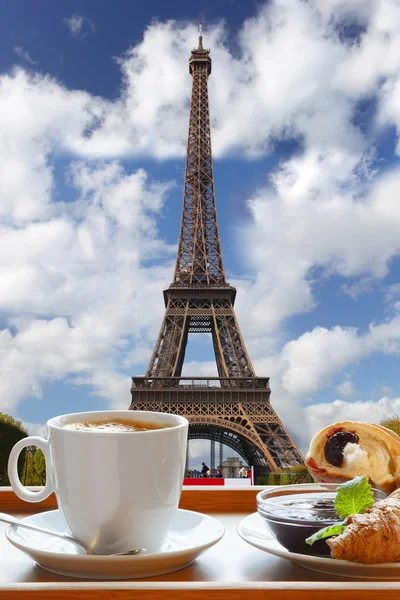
x=197, y=286
x=201, y=382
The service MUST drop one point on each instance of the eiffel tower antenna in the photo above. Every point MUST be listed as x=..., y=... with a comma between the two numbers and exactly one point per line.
x=233, y=408
x=200, y=36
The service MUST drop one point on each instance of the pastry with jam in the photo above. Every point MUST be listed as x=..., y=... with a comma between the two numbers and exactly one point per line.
x=348, y=449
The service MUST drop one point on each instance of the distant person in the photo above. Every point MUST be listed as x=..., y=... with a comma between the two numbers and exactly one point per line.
x=204, y=469
x=243, y=472
x=219, y=474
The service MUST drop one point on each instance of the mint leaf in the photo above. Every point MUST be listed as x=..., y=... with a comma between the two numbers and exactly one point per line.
x=353, y=497
x=326, y=532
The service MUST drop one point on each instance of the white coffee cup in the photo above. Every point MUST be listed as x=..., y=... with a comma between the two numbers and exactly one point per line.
x=117, y=490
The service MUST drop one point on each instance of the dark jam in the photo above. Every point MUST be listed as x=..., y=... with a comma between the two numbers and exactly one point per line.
x=335, y=445
x=295, y=518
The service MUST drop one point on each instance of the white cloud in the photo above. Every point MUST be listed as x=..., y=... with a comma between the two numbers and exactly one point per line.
x=301, y=226
x=78, y=25
x=24, y=55
x=376, y=56
x=199, y=451
x=318, y=416
x=346, y=389
x=372, y=66
x=386, y=390
x=82, y=273
x=279, y=84
x=359, y=11
x=107, y=383
x=39, y=429
x=268, y=97
x=392, y=293
x=201, y=369
x=308, y=363
x=38, y=118
x=303, y=368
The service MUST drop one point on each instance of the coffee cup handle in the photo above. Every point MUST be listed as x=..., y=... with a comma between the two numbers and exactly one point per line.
x=13, y=476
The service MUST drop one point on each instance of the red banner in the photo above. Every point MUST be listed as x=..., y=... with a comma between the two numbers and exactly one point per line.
x=203, y=481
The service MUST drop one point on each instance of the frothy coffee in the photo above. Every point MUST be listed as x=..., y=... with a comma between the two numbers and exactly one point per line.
x=113, y=425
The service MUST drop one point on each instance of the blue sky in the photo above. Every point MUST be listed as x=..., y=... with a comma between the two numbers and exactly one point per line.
x=93, y=120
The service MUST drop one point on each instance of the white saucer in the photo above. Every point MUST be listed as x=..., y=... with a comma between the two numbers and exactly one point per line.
x=191, y=533
x=254, y=530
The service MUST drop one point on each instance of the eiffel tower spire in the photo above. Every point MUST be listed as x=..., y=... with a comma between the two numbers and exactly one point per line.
x=199, y=259
x=200, y=46
x=233, y=408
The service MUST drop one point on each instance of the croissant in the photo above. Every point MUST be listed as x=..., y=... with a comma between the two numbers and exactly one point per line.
x=347, y=449
x=371, y=537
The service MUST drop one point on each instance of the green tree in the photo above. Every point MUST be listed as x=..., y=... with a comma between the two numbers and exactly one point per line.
x=300, y=474
x=393, y=423
x=11, y=431
x=34, y=472
x=290, y=475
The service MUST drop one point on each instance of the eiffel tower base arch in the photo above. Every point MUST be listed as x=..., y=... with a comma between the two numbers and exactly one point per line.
x=232, y=439
x=233, y=411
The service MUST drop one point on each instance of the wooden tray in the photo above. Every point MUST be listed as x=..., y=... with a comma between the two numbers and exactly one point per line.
x=229, y=570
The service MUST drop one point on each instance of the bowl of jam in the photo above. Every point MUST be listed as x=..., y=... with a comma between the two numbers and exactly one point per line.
x=295, y=512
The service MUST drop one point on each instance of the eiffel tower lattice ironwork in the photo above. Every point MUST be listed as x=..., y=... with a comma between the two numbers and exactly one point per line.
x=233, y=408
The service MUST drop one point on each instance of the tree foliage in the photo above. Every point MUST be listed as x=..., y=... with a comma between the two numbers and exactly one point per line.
x=31, y=462
x=34, y=471
x=11, y=431
x=392, y=423
x=298, y=474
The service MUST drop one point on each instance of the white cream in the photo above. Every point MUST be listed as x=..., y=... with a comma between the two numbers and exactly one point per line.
x=374, y=464
x=356, y=458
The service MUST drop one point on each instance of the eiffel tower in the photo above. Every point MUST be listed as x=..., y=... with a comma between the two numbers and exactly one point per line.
x=233, y=409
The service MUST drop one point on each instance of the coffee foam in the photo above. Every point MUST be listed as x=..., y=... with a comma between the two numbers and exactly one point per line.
x=113, y=426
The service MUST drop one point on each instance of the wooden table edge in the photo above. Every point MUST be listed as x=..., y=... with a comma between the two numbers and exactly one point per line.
x=200, y=499
x=198, y=591
x=205, y=585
